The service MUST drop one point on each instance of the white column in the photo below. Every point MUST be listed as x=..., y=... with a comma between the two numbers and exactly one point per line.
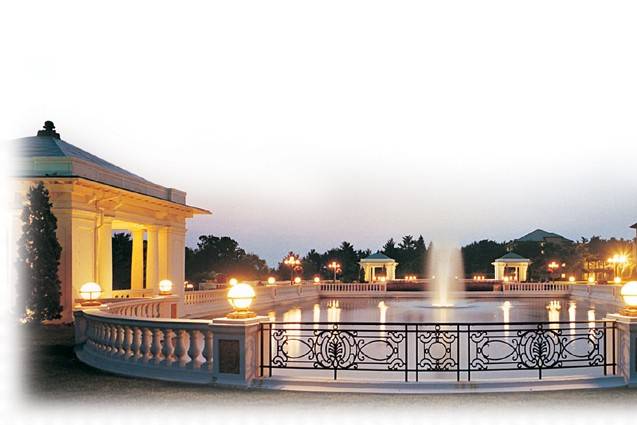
x=83, y=252
x=152, y=260
x=174, y=261
x=499, y=270
x=523, y=270
x=104, y=258
x=137, y=262
x=162, y=252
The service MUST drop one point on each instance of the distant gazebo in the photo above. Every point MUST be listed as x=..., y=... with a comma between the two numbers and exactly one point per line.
x=511, y=262
x=378, y=265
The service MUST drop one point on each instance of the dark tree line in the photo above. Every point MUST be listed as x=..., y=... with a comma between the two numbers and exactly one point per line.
x=219, y=258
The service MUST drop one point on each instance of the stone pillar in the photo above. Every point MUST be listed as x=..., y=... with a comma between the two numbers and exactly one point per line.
x=523, y=271
x=82, y=250
x=174, y=261
x=152, y=259
x=137, y=262
x=499, y=270
x=104, y=257
x=626, y=346
x=237, y=348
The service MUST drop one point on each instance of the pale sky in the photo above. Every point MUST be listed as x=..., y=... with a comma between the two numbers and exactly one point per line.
x=303, y=124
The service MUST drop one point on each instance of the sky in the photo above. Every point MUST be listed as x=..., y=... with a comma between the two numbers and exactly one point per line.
x=303, y=124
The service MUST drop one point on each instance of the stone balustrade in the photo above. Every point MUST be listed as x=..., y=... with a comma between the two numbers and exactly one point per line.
x=180, y=350
x=540, y=287
x=143, y=307
x=352, y=287
x=204, y=297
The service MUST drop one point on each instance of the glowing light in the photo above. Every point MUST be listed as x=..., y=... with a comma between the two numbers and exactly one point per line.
x=233, y=281
x=297, y=280
x=271, y=280
x=165, y=287
x=240, y=296
x=317, y=279
x=571, y=278
x=90, y=292
x=617, y=279
x=591, y=279
x=629, y=294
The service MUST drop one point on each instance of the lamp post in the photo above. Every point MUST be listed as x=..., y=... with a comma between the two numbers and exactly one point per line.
x=617, y=260
x=552, y=266
x=334, y=266
x=292, y=262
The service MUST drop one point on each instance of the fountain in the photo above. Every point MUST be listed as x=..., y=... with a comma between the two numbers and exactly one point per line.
x=444, y=267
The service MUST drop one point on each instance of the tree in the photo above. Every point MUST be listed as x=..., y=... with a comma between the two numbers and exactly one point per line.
x=38, y=259
x=222, y=256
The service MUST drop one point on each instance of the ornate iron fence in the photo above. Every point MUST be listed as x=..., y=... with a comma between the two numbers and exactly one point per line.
x=462, y=350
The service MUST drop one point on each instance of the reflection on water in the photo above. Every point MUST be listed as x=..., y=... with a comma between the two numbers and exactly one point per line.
x=412, y=310
x=316, y=317
x=334, y=311
x=591, y=318
x=292, y=315
x=382, y=308
x=572, y=314
x=506, y=316
x=553, y=309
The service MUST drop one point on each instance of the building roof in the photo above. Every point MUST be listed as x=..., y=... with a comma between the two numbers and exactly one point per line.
x=47, y=155
x=511, y=256
x=634, y=226
x=539, y=235
x=378, y=256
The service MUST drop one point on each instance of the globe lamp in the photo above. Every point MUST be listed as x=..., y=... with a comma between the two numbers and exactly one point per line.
x=165, y=287
x=629, y=294
x=240, y=297
x=90, y=292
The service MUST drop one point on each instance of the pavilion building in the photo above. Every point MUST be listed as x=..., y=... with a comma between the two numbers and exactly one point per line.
x=378, y=266
x=511, y=266
x=91, y=199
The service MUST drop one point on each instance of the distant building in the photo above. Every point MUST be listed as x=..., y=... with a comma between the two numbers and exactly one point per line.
x=542, y=236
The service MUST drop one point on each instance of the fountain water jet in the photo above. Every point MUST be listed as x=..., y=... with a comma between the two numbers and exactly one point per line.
x=445, y=270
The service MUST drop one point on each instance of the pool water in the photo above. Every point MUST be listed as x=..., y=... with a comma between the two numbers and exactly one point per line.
x=416, y=310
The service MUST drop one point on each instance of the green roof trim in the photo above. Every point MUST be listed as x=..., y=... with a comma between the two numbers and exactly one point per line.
x=512, y=256
x=378, y=256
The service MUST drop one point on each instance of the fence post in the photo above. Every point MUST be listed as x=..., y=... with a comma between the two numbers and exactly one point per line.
x=236, y=346
x=626, y=347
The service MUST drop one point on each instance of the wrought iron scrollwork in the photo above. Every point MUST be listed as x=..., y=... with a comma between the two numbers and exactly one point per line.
x=415, y=349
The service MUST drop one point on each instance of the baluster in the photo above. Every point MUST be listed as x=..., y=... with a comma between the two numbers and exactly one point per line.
x=194, y=349
x=155, y=348
x=135, y=343
x=107, y=339
x=126, y=346
x=207, y=349
x=168, y=349
x=180, y=349
x=117, y=341
x=144, y=348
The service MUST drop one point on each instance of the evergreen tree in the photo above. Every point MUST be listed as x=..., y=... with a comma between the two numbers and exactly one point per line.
x=38, y=259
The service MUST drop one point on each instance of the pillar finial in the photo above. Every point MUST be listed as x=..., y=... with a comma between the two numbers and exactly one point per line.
x=49, y=130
